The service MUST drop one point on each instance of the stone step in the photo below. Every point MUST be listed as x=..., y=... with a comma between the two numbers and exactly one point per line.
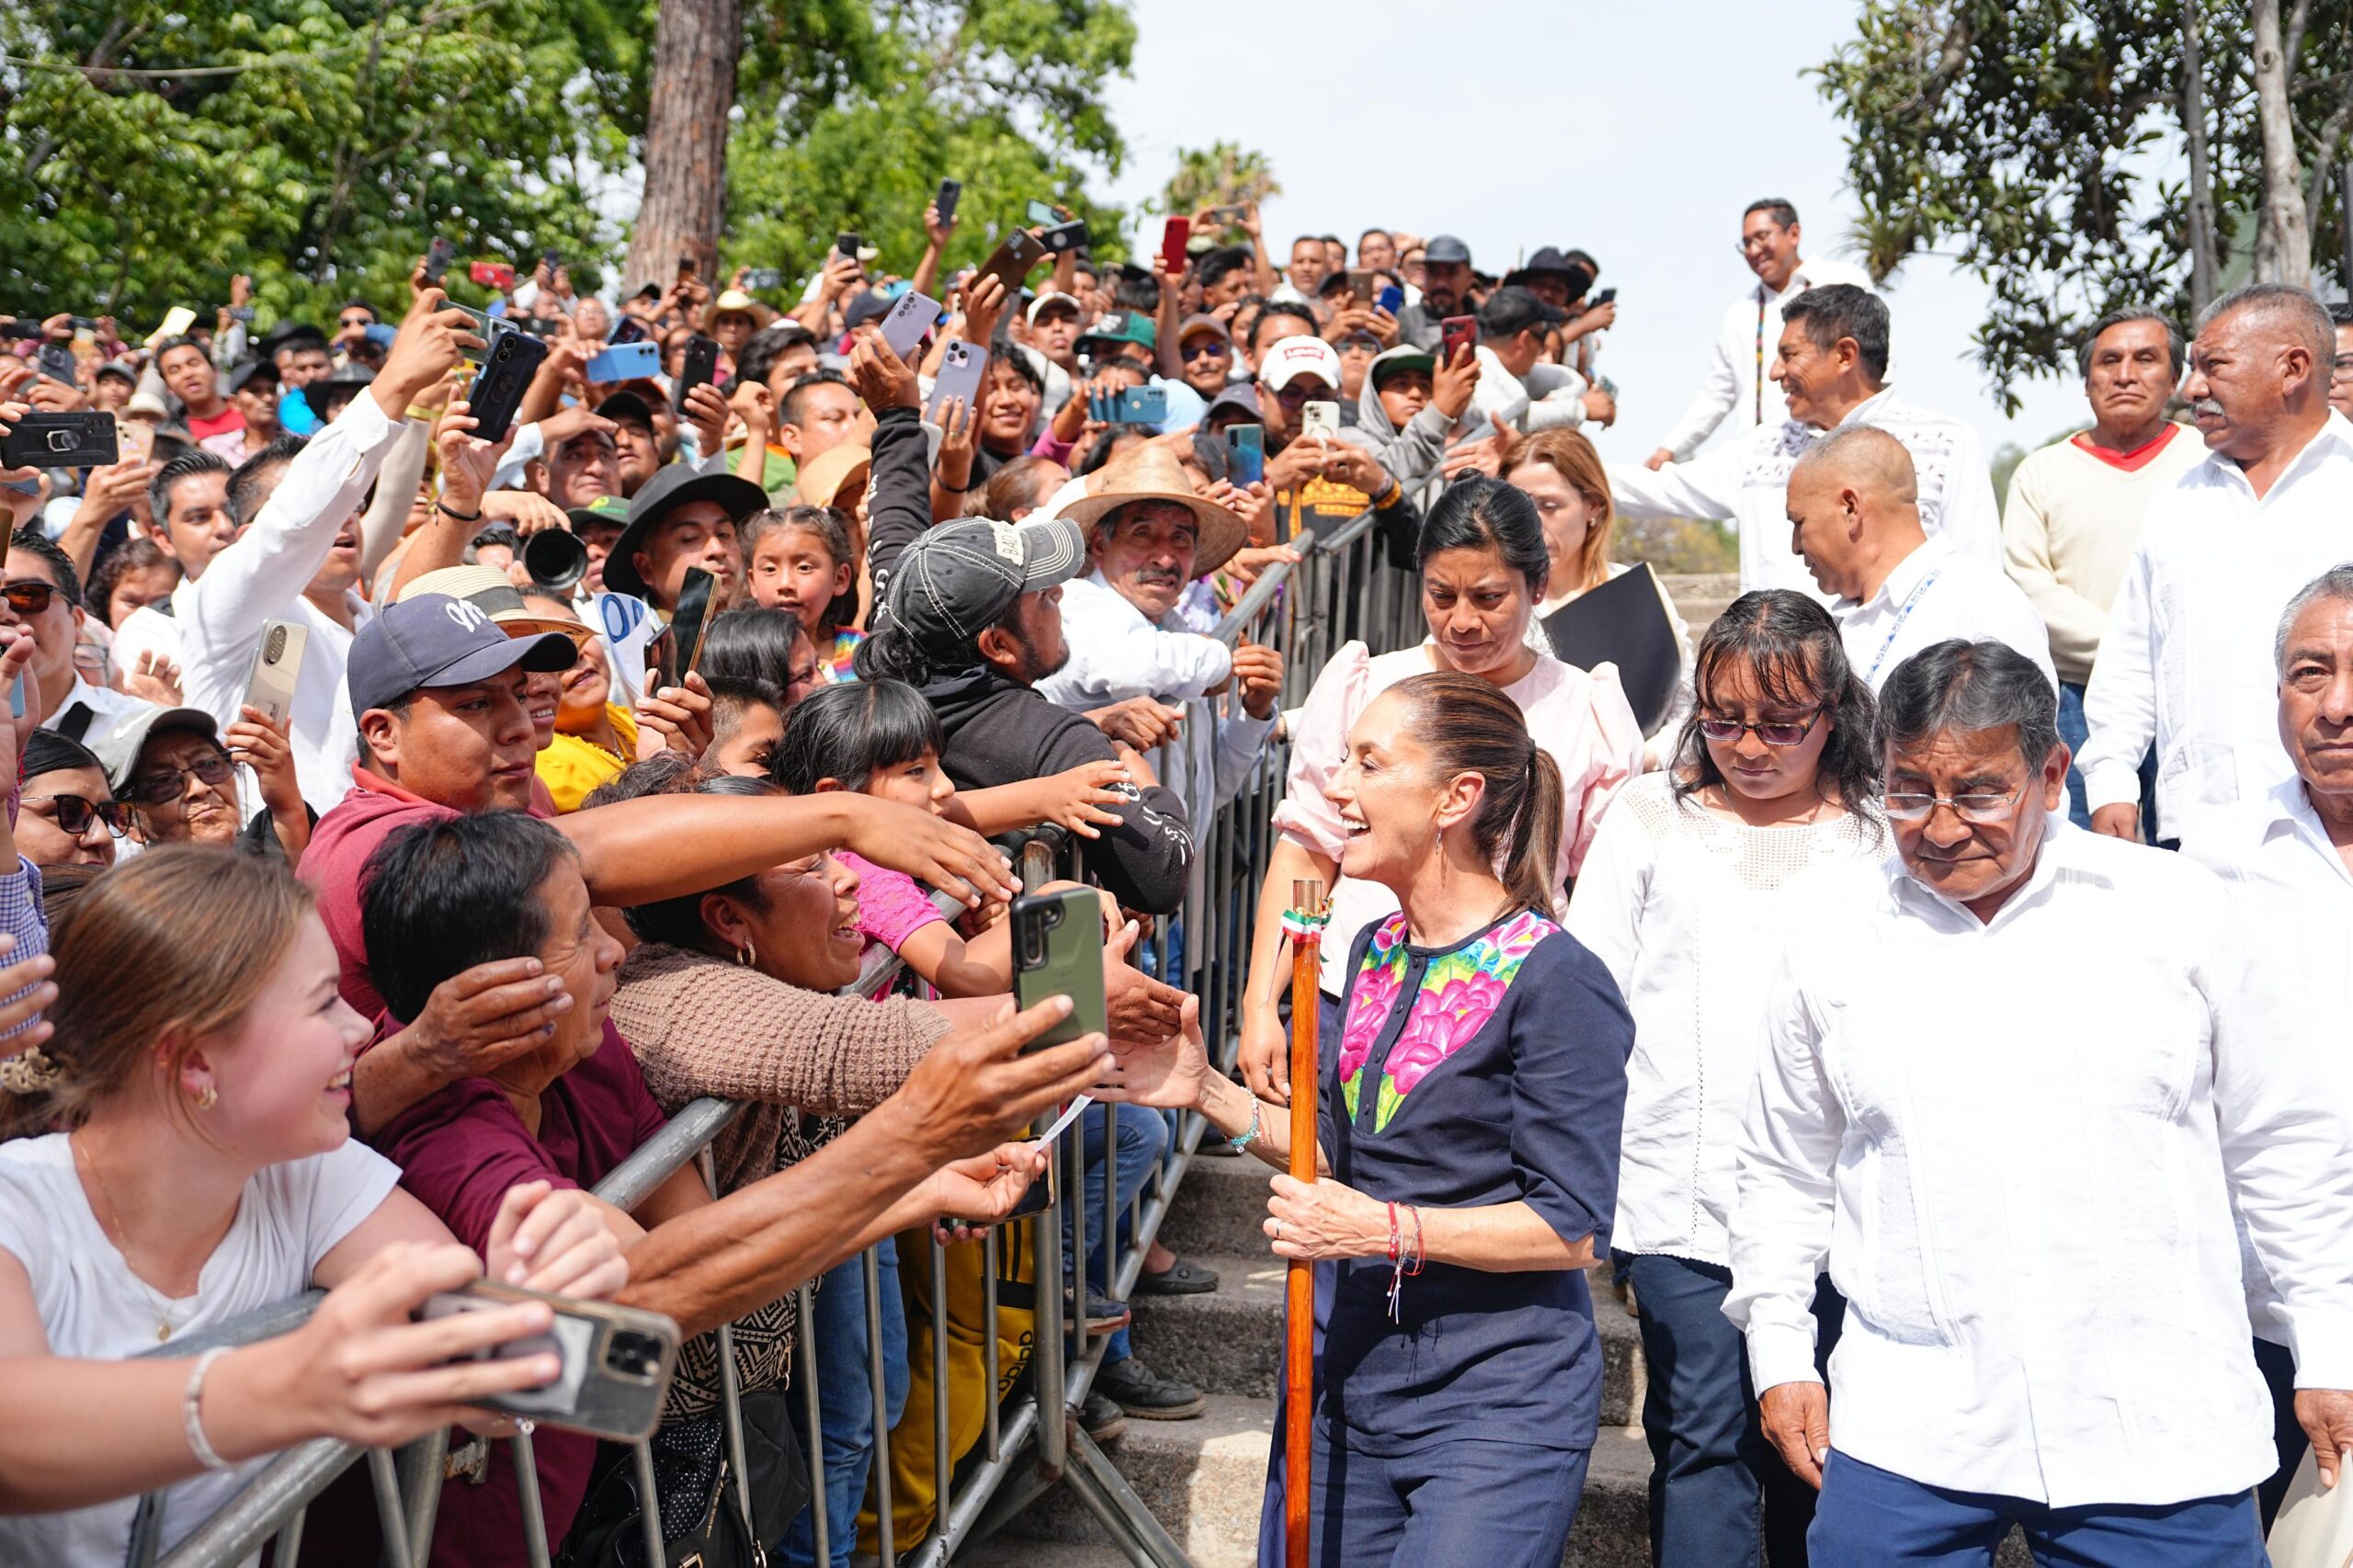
x=1230, y=1341
x=1205, y=1480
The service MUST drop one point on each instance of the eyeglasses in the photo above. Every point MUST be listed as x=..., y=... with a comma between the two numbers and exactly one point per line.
x=73, y=813
x=1759, y=241
x=28, y=597
x=1202, y=349
x=161, y=787
x=1727, y=732
x=1978, y=809
x=1296, y=394
x=357, y=321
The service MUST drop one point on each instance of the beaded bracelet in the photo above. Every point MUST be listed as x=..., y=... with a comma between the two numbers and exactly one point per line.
x=1248, y=1135
x=192, y=1411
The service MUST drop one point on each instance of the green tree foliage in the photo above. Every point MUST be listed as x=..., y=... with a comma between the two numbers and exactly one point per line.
x=2037, y=143
x=1221, y=175
x=1677, y=547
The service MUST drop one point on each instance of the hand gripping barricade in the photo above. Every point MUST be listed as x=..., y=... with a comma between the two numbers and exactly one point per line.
x=1343, y=589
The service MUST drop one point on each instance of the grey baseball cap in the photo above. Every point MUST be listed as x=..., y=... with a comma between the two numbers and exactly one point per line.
x=956, y=581
x=430, y=640
x=1446, y=247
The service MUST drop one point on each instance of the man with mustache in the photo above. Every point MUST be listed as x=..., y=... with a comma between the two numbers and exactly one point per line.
x=2183, y=662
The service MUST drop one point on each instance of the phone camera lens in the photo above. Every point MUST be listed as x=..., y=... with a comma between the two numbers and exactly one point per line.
x=634, y=1355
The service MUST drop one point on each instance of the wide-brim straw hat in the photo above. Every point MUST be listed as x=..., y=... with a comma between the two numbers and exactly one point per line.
x=1150, y=473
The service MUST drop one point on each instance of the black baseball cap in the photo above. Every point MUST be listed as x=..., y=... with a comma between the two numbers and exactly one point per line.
x=1446, y=247
x=957, y=580
x=250, y=371
x=1512, y=309
x=433, y=640
x=678, y=484
x=627, y=405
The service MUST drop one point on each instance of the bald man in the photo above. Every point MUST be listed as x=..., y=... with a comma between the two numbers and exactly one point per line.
x=1854, y=506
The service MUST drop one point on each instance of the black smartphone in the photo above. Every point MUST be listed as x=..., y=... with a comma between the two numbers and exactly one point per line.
x=685, y=267
x=1014, y=259
x=437, y=257
x=46, y=439
x=951, y=191
x=1058, y=951
x=1608, y=296
x=616, y=1361
x=847, y=244
x=507, y=366
x=702, y=363
x=686, y=624
x=551, y=260
x=1245, y=447
x=1064, y=237
x=56, y=363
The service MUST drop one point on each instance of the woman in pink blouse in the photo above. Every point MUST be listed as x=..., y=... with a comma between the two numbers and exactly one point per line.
x=1483, y=569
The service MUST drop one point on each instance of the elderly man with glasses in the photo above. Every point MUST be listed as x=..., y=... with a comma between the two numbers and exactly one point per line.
x=2013, y=1100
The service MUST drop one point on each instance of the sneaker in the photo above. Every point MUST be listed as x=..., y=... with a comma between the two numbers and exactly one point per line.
x=1100, y=1419
x=1134, y=1388
x=1183, y=1277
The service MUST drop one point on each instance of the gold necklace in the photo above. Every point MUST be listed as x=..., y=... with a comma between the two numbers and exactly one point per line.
x=121, y=1239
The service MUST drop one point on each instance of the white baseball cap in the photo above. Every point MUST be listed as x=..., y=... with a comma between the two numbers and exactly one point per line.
x=1293, y=357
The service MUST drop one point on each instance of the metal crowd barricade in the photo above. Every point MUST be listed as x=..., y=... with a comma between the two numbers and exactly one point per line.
x=1343, y=589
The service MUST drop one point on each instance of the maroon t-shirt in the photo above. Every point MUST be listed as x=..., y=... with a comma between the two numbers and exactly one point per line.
x=459, y=1152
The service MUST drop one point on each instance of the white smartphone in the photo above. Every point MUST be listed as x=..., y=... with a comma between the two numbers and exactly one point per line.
x=1320, y=419
x=278, y=665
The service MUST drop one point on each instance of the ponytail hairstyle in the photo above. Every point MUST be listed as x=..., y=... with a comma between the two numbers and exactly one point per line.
x=134, y=921
x=1467, y=725
x=1792, y=649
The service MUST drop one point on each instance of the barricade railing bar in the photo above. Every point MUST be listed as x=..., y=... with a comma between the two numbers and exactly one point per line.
x=1341, y=589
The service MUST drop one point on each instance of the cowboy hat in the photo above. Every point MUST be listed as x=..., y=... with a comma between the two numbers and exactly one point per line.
x=1150, y=473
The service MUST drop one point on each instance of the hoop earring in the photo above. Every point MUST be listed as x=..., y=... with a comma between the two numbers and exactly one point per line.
x=745, y=955
x=208, y=1098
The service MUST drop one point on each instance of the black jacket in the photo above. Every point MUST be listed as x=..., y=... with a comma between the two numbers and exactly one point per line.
x=1000, y=731
x=901, y=510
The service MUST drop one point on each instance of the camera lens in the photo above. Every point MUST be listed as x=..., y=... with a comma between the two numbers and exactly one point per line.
x=632, y=1355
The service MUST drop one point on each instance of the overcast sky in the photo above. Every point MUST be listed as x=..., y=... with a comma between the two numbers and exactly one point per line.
x=1637, y=132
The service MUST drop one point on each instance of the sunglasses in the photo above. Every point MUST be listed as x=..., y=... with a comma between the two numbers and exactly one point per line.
x=357, y=321
x=161, y=787
x=73, y=814
x=1206, y=347
x=1726, y=732
x=28, y=597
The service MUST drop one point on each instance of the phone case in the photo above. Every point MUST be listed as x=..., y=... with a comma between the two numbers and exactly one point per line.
x=1013, y=260
x=510, y=362
x=1173, y=237
x=1457, y=332
x=437, y=257
x=56, y=363
x=950, y=193
x=687, y=626
x=702, y=363
x=1140, y=405
x=1064, y=237
x=1058, y=951
x=1245, y=447
x=278, y=665
x=47, y=439
x=618, y=1361
x=1320, y=419
x=1041, y=212
x=961, y=364
x=1393, y=299
x=911, y=317
x=625, y=362
x=492, y=274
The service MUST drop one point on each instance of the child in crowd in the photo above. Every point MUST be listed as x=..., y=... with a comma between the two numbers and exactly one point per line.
x=800, y=560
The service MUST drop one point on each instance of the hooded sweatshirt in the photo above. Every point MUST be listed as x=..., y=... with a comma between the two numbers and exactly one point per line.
x=1000, y=731
x=1415, y=456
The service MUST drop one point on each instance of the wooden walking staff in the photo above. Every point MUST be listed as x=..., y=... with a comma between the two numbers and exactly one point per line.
x=1303, y=923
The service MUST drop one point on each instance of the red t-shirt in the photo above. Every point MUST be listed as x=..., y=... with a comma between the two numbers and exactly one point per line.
x=221, y=424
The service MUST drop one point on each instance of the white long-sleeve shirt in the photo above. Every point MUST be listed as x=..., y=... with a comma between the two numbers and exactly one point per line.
x=1746, y=340
x=1748, y=481
x=260, y=577
x=2186, y=662
x=1689, y=910
x=1554, y=394
x=1934, y=594
x=2017, y=1144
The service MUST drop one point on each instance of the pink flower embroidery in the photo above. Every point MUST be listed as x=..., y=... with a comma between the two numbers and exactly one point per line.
x=1371, y=1000
x=1460, y=992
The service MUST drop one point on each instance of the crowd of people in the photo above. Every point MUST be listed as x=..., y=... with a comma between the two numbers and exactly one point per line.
x=408, y=822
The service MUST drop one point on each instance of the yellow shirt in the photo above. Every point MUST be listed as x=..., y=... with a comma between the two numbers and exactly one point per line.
x=572, y=765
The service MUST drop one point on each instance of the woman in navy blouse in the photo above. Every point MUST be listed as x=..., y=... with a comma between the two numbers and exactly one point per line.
x=1470, y=1141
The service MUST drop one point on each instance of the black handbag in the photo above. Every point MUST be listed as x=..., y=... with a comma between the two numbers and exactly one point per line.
x=609, y=1533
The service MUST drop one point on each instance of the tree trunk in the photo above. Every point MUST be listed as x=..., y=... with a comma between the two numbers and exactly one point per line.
x=2283, y=244
x=695, y=45
x=2205, y=261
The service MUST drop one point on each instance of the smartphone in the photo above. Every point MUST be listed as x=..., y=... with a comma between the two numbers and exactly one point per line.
x=58, y=364
x=437, y=257
x=616, y=1361
x=1392, y=299
x=911, y=317
x=512, y=358
x=1227, y=214
x=46, y=439
x=135, y=438
x=1014, y=260
x=1173, y=237
x=1608, y=296
x=688, y=623
x=951, y=191
x=624, y=362
x=763, y=277
x=702, y=363
x=1043, y=212
x=847, y=244
x=1137, y=405
x=1361, y=285
x=278, y=665
x=1063, y=237
x=551, y=260
x=1058, y=951
x=1245, y=450
x=1319, y=419
x=492, y=274
x=1458, y=332
x=629, y=329
x=242, y=313
x=961, y=364
x=177, y=320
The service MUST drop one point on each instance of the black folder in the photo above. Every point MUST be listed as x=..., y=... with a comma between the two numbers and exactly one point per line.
x=1623, y=622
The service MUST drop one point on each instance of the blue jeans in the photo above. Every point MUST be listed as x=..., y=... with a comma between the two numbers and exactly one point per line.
x=1143, y=1137
x=2075, y=729
x=1470, y=1502
x=1719, y=1493
x=846, y=1401
x=1870, y=1517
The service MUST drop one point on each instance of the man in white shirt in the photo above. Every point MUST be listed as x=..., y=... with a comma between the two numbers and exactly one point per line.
x=1514, y=379
x=297, y=557
x=2287, y=858
x=1831, y=364
x=2183, y=662
x=2340, y=379
x=2076, y=506
x=2010, y=1099
x=1854, y=519
x=1736, y=383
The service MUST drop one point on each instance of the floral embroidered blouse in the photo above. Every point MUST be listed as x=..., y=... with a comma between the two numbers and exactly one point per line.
x=1488, y=1072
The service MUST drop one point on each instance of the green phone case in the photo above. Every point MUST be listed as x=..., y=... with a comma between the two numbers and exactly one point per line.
x=1058, y=951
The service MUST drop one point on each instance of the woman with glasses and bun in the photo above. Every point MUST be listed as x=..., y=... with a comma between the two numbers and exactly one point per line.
x=1696, y=875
